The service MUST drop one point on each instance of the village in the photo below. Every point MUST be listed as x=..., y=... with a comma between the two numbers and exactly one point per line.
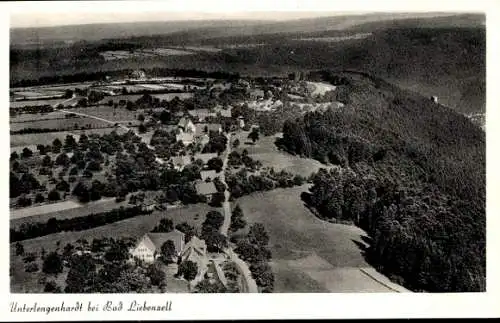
x=192, y=140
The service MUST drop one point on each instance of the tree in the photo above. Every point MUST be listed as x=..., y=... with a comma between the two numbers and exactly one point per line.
x=41, y=149
x=19, y=249
x=39, y=198
x=140, y=117
x=168, y=252
x=54, y=195
x=51, y=287
x=14, y=156
x=27, y=153
x=165, y=225
x=217, y=199
x=24, y=201
x=188, y=230
x=142, y=128
x=215, y=163
x=56, y=144
x=82, y=272
x=254, y=135
x=188, y=270
x=206, y=287
x=237, y=221
x=47, y=161
x=236, y=143
x=156, y=275
x=63, y=186
x=118, y=252
x=258, y=235
x=52, y=264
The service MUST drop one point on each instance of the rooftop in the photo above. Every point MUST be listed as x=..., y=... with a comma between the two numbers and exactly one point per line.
x=204, y=188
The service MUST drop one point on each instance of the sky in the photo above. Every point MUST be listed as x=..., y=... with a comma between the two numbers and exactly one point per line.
x=52, y=13
x=43, y=20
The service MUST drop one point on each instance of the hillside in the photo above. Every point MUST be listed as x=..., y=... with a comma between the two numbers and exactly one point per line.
x=413, y=177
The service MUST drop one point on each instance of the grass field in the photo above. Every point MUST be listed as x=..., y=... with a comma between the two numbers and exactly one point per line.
x=308, y=255
x=133, y=227
x=106, y=112
x=266, y=151
x=62, y=124
x=20, y=104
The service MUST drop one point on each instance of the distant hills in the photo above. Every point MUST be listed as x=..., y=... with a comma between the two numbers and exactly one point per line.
x=223, y=28
x=441, y=54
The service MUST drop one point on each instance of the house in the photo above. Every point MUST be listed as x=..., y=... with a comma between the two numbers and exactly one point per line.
x=203, y=139
x=148, y=249
x=206, y=128
x=205, y=174
x=179, y=162
x=201, y=114
x=257, y=94
x=196, y=251
x=206, y=157
x=186, y=125
x=206, y=189
x=185, y=137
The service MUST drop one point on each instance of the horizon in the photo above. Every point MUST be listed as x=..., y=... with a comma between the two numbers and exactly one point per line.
x=42, y=20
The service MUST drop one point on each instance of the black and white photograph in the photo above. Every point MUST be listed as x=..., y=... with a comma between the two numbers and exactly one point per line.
x=263, y=152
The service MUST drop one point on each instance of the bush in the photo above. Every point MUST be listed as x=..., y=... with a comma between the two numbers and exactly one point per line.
x=31, y=267
x=52, y=264
x=54, y=196
x=51, y=287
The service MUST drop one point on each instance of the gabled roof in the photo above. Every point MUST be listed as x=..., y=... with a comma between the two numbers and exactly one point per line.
x=208, y=174
x=155, y=240
x=200, y=127
x=183, y=122
x=196, y=251
x=206, y=188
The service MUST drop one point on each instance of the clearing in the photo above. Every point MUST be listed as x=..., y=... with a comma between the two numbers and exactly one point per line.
x=310, y=255
x=266, y=152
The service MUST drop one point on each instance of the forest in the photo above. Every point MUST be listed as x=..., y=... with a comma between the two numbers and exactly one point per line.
x=411, y=173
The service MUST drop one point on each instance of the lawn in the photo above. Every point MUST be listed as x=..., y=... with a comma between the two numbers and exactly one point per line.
x=309, y=255
x=266, y=151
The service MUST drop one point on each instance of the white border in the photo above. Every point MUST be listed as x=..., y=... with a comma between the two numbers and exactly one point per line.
x=284, y=306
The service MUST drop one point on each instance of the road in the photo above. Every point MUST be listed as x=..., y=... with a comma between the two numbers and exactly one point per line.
x=247, y=283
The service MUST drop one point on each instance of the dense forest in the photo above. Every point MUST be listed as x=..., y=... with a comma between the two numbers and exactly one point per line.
x=412, y=174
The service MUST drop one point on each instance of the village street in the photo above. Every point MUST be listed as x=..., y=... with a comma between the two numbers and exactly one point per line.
x=247, y=284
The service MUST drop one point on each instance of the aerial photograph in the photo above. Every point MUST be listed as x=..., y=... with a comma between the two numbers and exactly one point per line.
x=273, y=153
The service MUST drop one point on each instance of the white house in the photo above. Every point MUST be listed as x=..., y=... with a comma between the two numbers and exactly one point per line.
x=186, y=125
x=185, y=137
x=148, y=249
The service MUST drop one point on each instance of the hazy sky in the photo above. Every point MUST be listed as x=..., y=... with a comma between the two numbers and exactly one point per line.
x=46, y=13
x=44, y=19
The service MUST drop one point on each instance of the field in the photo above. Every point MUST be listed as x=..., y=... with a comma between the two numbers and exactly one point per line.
x=106, y=112
x=20, y=104
x=133, y=227
x=61, y=210
x=309, y=255
x=61, y=124
x=265, y=151
x=26, y=117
